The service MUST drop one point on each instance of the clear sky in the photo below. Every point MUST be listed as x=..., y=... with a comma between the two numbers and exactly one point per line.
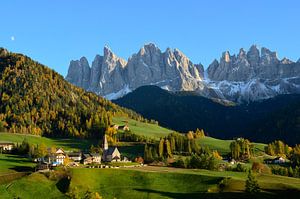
x=55, y=31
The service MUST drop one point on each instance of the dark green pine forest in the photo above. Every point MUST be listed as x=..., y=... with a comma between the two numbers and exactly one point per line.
x=262, y=121
x=36, y=100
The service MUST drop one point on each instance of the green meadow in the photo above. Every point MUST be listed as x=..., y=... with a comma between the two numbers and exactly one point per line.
x=150, y=182
x=223, y=146
x=144, y=129
x=66, y=143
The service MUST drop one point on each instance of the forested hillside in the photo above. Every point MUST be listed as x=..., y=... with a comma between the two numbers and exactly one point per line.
x=263, y=121
x=37, y=100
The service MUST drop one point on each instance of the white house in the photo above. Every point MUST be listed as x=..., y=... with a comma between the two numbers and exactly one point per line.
x=96, y=158
x=6, y=146
x=89, y=158
x=59, y=156
x=279, y=160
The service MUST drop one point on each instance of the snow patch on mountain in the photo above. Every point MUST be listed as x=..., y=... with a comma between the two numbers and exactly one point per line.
x=118, y=94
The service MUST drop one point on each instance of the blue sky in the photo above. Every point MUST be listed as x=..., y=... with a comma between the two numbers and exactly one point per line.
x=55, y=31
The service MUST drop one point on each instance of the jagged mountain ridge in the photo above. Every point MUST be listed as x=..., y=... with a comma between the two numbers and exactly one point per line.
x=248, y=76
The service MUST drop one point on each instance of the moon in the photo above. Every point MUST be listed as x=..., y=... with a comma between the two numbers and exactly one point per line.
x=12, y=38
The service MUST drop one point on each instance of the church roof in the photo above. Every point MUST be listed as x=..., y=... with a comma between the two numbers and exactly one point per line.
x=111, y=150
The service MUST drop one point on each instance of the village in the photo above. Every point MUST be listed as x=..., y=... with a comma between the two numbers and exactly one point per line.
x=59, y=157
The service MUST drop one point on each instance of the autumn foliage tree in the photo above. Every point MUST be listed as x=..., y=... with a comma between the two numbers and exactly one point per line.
x=36, y=100
x=241, y=148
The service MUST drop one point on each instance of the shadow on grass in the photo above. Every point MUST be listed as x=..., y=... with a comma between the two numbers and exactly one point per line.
x=22, y=169
x=75, y=143
x=132, y=151
x=291, y=194
x=63, y=184
x=17, y=159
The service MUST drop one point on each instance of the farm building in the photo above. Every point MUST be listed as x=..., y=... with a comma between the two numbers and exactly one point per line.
x=6, y=146
x=89, y=158
x=75, y=156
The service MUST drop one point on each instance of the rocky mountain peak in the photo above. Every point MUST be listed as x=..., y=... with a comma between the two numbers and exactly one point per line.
x=268, y=57
x=248, y=76
x=242, y=54
x=286, y=61
x=226, y=56
x=149, y=48
x=253, y=56
x=107, y=53
x=84, y=61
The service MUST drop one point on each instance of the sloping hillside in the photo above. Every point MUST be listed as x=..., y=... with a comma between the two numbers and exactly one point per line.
x=265, y=121
x=37, y=100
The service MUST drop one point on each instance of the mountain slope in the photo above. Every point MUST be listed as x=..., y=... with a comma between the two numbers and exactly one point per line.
x=37, y=100
x=276, y=118
x=248, y=76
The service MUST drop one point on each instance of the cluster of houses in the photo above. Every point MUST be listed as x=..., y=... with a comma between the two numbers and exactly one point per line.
x=110, y=154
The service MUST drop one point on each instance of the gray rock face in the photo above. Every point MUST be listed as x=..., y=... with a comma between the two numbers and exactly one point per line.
x=112, y=76
x=79, y=72
x=247, y=76
x=254, y=75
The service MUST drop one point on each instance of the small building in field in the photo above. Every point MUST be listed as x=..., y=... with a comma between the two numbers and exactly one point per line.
x=75, y=156
x=279, y=160
x=110, y=154
x=96, y=158
x=90, y=158
x=87, y=159
x=122, y=127
x=42, y=166
x=6, y=146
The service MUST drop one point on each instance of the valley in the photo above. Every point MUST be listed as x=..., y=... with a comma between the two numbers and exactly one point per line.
x=184, y=100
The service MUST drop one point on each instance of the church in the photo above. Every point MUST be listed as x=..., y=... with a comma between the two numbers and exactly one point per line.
x=110, y=154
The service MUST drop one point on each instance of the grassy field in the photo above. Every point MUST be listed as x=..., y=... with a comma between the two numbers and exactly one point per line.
x=67, y=144
x=162, y=182
x=117, y=183
x=223, y=146
x=145, y=129
x=151, y=182
x=13, y=163
x=34, y=186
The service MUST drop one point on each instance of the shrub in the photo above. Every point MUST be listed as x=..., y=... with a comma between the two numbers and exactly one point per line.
x=260, y=168
x=251, y=184
x=223, y=184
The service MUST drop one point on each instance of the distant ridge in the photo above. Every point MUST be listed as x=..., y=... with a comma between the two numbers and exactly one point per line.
x=275, y=118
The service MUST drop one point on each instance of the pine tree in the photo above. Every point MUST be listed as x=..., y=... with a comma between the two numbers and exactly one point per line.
x=251, y=184
x=168, y=148
x=161, y=147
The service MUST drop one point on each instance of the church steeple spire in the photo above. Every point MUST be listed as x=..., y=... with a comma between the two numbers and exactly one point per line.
x=105, y=143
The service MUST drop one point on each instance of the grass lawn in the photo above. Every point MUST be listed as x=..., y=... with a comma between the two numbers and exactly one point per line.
x=118, y=183
x=14, y=163
x=66, y=144
x=223, y=146
x=163, y=182
x=151, y=182
x=34, y=186
x=140, y=128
